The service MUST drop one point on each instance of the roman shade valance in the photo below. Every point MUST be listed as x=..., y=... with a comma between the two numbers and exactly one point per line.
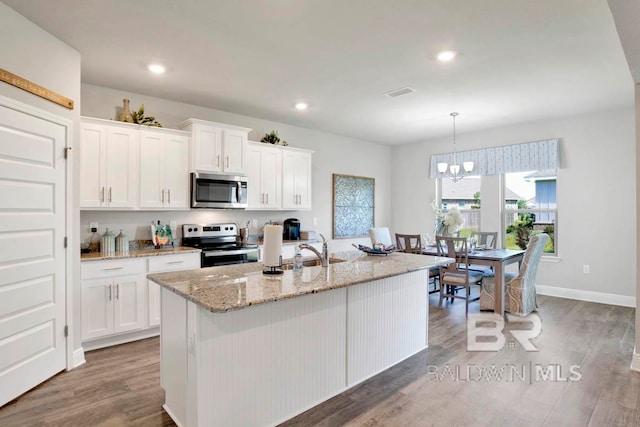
x=529, y=156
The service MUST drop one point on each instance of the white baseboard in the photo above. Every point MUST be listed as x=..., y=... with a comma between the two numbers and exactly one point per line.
x=121, y=339
x=78, y=357
x=635, y=361
x=612, y=299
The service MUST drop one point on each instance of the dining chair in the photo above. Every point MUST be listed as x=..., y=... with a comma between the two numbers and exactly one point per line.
x=519, y=288
x=380, y=235
x=486, y=240
x=456, y=275
x=409, y=243
x=412, y=243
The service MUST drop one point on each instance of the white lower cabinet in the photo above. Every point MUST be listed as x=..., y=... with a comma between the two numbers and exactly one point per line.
x=113, y=299
x=163, y=264
x=119, y=304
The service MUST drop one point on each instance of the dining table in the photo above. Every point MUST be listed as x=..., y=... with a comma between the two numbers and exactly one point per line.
x=498, y=259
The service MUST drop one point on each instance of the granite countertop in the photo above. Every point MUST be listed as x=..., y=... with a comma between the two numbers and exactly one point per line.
x=134, y=253
x=225, y=288
x=291, y=242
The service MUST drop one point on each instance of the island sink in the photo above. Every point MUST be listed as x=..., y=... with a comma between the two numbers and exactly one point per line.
x=312, y=263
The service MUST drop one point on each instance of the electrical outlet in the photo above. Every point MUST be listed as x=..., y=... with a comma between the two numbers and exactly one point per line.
x=315, y=220
x=586, y=269
x=93, y=226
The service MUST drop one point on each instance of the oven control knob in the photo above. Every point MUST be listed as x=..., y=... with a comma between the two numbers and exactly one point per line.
x=189, y=230
x=195, y=229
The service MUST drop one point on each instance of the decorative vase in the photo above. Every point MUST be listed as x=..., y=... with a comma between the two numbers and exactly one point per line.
x=108, y=244
x=125, y=114
x=122, y=244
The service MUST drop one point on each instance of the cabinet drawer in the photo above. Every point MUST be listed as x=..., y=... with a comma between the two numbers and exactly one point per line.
x=111, y=268
x=174, y=262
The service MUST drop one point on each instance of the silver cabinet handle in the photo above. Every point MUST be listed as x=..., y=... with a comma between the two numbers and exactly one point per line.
x=262, y=198
x=175, y=262
x=169, y=196
x=109, y=287
x=163, y=195
x=218, y=160
x=227, y=161
x=267, y=198
x=110, y=194
x=102, y=195
x=113, y=268
x=117, y=291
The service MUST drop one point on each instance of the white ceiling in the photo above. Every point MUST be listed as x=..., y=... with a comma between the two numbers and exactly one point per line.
x=519, y=60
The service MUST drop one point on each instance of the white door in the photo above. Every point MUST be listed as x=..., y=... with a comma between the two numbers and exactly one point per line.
x=32, y=254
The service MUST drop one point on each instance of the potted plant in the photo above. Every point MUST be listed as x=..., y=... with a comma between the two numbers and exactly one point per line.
x=272, y=138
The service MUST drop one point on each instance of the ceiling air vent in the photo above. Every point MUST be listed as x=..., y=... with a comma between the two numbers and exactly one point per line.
x=399, y=92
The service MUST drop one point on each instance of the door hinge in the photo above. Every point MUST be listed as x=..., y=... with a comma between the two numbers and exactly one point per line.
x=66, y=330
x=66, y=152
x=65, y=241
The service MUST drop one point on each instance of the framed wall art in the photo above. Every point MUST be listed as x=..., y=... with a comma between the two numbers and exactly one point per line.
x=353, y=206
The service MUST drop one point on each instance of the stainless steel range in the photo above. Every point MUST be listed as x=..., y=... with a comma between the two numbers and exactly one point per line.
x=219, y=243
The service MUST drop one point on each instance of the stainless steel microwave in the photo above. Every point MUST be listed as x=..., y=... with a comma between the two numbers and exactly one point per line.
x=218, y=191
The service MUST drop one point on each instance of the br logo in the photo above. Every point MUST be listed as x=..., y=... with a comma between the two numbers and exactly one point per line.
x=484, y=331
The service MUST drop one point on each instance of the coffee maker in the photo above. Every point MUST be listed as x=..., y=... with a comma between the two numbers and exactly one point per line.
x=291, y=229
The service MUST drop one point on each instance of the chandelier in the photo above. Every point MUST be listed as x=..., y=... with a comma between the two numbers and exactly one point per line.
x=453, y=170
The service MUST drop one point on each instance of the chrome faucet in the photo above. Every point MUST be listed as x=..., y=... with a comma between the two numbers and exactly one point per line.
x=324, y=256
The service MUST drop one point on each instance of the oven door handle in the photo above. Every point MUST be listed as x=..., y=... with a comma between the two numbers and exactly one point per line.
x=233, y=252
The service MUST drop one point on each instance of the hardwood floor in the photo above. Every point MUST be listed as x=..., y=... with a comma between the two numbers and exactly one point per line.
x=120, y=386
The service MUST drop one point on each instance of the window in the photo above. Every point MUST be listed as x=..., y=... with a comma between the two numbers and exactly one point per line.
x=465, y=194
x=530, y=207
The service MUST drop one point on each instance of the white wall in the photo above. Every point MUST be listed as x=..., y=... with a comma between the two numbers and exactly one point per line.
x=30, y=52
x=333, y=154
x=596, y=196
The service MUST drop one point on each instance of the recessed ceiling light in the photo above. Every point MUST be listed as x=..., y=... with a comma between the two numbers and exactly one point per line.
x=301, y=106
x=446, y=55
x=157, y=68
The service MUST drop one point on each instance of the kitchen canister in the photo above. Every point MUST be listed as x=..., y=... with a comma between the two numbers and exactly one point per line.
x=122, y=244
x=108, y=244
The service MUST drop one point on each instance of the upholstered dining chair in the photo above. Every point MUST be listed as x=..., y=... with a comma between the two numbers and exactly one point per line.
x=520, y=288
x=380, y=235
x=456, y=275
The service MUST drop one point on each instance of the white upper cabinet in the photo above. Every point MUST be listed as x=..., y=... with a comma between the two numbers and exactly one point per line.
x=279, y=177
x=296, y=179
x=108, y=169
x=264, y=177
x=164, y=169
x=127, y=166
x=216, y=147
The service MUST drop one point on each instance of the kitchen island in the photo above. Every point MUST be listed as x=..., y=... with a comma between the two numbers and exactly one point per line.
x=246, y=349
